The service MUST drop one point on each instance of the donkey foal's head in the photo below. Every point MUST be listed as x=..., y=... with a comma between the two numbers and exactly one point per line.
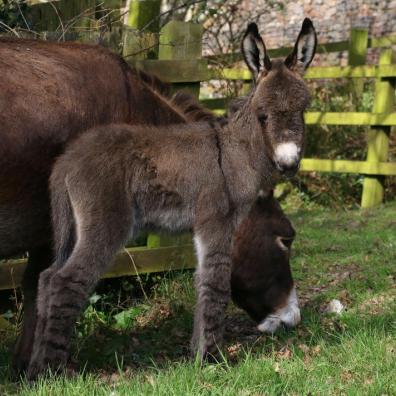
x=280, y=95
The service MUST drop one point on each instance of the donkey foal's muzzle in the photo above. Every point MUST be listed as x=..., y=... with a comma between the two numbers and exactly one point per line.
x=287, y=158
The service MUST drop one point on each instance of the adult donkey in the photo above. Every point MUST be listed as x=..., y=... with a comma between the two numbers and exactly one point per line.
x=117, y=179
x=49, y=94
x=261, y=278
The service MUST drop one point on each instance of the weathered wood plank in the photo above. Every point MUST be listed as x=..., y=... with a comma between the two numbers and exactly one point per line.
x=323, y=118
x=317, y=72
x=60, y=15
x=130, y=261
x=351, y=72
x=383, y=41
x=215, y=103
x=349, y=118
x=323, y=48
x=175, y=71
x=143, y=14
x=358, y=44
x=182, y=41
x=344, y=166
x=140, y=34
x=378, y=136
x=196, y=70
x=357, y=52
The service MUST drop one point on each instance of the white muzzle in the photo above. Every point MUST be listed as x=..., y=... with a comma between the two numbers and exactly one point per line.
x=289, y=315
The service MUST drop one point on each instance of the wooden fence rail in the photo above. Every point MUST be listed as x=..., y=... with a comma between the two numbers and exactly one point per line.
x=130, y=261
x=177, y=47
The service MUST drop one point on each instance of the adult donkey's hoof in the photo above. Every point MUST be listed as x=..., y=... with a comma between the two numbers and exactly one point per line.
x=20, y=360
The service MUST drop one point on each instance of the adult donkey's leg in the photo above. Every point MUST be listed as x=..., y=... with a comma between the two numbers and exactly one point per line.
x=39, y=260
x=213, y=284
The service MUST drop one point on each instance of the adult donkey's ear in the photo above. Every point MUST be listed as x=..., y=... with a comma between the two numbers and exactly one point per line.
x=254, y=51
x=305, y=47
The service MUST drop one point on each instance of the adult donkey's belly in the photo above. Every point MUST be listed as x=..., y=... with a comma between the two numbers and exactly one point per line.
x=24, y=200
x=48, y=95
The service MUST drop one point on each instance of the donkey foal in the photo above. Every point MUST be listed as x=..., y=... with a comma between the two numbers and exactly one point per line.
x=204, y=176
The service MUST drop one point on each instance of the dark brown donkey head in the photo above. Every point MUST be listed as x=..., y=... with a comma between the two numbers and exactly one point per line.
x=261, y=279
x=280, y=95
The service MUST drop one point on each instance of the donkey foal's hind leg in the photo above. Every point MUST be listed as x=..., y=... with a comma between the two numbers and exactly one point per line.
x=43, y=299
x=67, y=288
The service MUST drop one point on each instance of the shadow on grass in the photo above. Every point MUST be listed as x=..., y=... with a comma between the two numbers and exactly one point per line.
x=166, y=340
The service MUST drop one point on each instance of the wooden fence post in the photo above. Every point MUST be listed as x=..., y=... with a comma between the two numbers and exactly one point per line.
x=378, y=136
x=356, y=57
x=180, y=41
x=143, y=14
x=56, y=15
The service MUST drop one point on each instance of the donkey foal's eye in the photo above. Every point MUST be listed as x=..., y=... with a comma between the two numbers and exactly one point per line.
x=262, y=118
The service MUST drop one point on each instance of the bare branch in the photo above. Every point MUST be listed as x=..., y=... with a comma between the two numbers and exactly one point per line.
x=23, y=16
x=9, y=28
x=59, y=18
x=186, y=4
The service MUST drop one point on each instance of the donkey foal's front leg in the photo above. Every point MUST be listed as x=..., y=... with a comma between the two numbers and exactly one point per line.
x=213, y=278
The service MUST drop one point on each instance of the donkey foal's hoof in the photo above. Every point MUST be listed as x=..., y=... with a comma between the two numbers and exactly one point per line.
x=207, y=355
x=34, y=371
x=45, y=365
x=211, y=358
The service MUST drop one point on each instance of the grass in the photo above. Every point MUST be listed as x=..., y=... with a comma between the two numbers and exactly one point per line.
x=140, y=347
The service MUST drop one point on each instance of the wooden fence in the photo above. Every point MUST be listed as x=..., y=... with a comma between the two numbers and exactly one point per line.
x=177, y=49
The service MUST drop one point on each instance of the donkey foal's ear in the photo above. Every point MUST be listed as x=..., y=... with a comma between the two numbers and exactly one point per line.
x=305, y=47
x=254, y=51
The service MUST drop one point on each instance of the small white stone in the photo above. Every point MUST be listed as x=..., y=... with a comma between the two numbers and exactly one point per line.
x=335, y=306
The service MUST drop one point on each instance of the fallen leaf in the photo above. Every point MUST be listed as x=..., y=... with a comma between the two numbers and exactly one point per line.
x=304, y=348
